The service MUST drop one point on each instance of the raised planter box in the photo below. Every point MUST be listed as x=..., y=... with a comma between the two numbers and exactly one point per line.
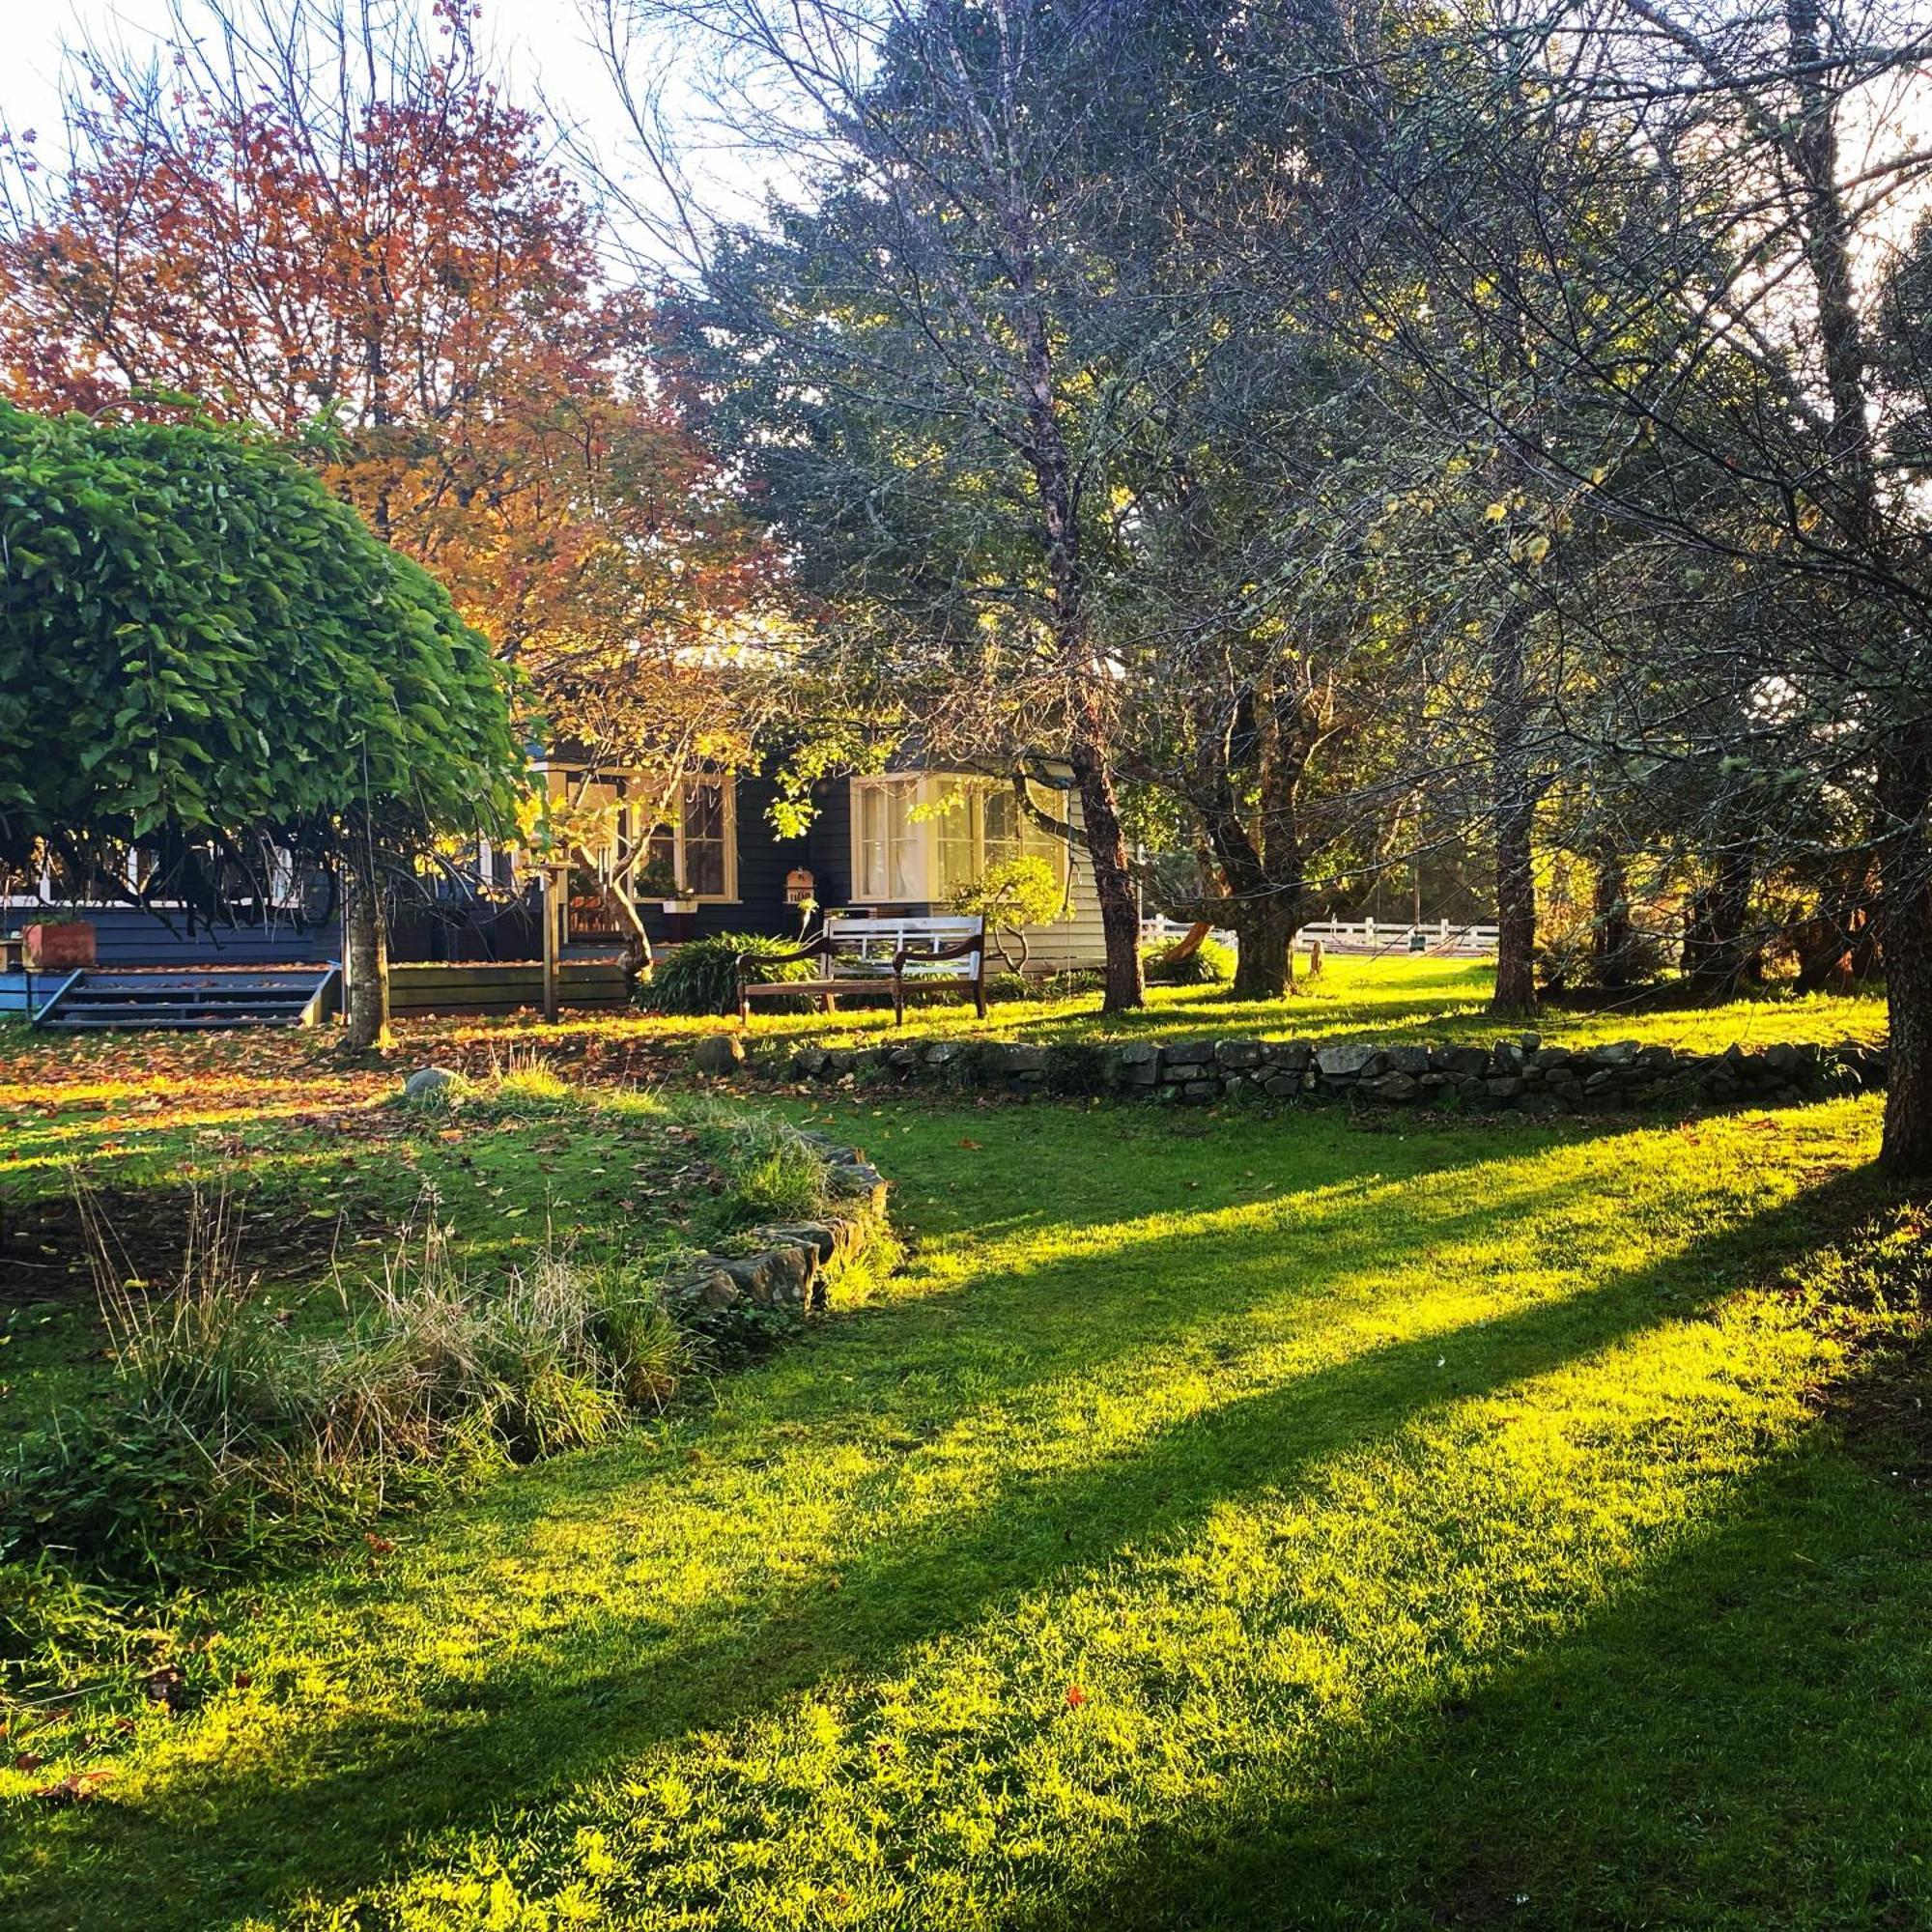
x=63, y=948
x=503, y=986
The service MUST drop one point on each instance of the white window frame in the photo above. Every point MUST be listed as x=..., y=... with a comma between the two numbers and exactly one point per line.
x=929, y=791
x=629, y=787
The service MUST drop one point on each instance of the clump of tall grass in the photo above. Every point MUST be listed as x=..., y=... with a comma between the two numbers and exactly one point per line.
x=230, y=1430
x=524, y=1082
x=773, y=1172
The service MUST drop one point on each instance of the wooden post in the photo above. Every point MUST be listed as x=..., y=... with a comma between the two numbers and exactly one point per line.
x=555, y=897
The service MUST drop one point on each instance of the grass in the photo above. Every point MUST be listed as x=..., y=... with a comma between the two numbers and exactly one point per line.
x=1393, y=999
x=1221, y=1521
x=527, y=1180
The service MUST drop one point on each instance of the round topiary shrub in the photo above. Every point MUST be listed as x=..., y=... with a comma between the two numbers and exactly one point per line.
x=701, y=977
x=1209, y=964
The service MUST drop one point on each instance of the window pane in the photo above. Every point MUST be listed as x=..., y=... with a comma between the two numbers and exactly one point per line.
x=907, y=883
x=954, y=830
x=888, y=841
x=1040, y=842
x=871, y=847
x=704, y=812
x=1002, y=828
x=705, y=839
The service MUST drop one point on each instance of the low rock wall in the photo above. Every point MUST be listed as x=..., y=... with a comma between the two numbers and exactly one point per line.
x=1520, y=1074
x=788, y=1266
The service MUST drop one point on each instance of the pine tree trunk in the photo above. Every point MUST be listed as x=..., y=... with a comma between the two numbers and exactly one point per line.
x=1610, y=938
x=1515, y=821
x=1113, y=881
x=1715, y=956
x=367, y=947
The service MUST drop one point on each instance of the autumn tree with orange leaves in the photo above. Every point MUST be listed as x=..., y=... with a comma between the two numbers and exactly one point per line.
x=329, y=222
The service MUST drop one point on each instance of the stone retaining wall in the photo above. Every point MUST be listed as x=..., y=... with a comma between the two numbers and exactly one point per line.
x=1520, y=1074
x=790, y=1264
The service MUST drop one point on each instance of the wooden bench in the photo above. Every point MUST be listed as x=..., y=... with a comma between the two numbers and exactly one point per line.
x=901, y=955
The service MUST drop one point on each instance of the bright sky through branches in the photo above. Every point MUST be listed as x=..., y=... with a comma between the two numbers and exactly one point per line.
x=540, y=47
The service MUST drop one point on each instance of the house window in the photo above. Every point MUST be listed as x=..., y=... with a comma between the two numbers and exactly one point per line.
x=923, y=838
x=891, y=860
x=706, y=867
x=700, y=851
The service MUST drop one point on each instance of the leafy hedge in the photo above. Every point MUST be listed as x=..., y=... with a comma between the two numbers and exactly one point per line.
x=1209, y=964
x=701, y=977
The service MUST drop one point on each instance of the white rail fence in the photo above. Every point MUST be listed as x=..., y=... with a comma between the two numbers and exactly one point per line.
x=1443, y=938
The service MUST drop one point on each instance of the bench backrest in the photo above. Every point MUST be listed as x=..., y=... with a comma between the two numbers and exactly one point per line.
x=875, y=941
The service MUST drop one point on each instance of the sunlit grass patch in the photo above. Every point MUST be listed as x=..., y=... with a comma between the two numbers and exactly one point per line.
x=1394, y=998
x=1220, y=1521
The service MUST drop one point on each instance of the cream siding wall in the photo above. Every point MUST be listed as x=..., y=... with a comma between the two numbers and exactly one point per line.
x=1078, y=940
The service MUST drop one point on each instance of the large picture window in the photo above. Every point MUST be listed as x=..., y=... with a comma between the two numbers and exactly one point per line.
x=888, y=840
x=922, y=838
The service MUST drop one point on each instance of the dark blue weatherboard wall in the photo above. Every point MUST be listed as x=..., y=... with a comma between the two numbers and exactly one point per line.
x=128, y=936
x=830, y=845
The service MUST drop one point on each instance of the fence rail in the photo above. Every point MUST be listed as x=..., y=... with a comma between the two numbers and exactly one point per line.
x=1443, y=938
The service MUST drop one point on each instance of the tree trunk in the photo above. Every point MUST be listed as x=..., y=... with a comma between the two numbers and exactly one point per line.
x=1611, y=936
x=1514, y=819
x=1264, y=964
x=1837, y=947
x=1113, y=878
x=1905, y=908
x=367, y=947
x=1715, y=956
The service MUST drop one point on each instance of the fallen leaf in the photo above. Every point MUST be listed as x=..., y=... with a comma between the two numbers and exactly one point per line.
x=75, y=1788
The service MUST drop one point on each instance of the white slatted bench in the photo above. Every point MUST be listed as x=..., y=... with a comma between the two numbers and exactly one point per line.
x=897, y=953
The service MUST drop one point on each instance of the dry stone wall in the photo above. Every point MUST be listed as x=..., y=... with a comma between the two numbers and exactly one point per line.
x=786, y=1267
x=1520, y=1074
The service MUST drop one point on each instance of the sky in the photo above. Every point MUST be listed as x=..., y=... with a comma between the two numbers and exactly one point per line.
x=540, y=51
x=540, y=44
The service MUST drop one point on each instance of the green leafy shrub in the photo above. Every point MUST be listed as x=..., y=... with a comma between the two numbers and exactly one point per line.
x=1012, y=895
x=1209, y=964
x=701, y=977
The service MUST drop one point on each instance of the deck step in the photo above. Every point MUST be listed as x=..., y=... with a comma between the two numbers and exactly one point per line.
x=172, y=1000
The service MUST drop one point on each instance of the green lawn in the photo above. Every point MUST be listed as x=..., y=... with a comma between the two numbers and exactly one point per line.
x=320, y=1195
x=1395, y=999
x=1220, y=1521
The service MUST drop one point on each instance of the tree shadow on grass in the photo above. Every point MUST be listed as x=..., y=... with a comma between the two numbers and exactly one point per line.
x=355, y=1807
x=1738, y=1740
